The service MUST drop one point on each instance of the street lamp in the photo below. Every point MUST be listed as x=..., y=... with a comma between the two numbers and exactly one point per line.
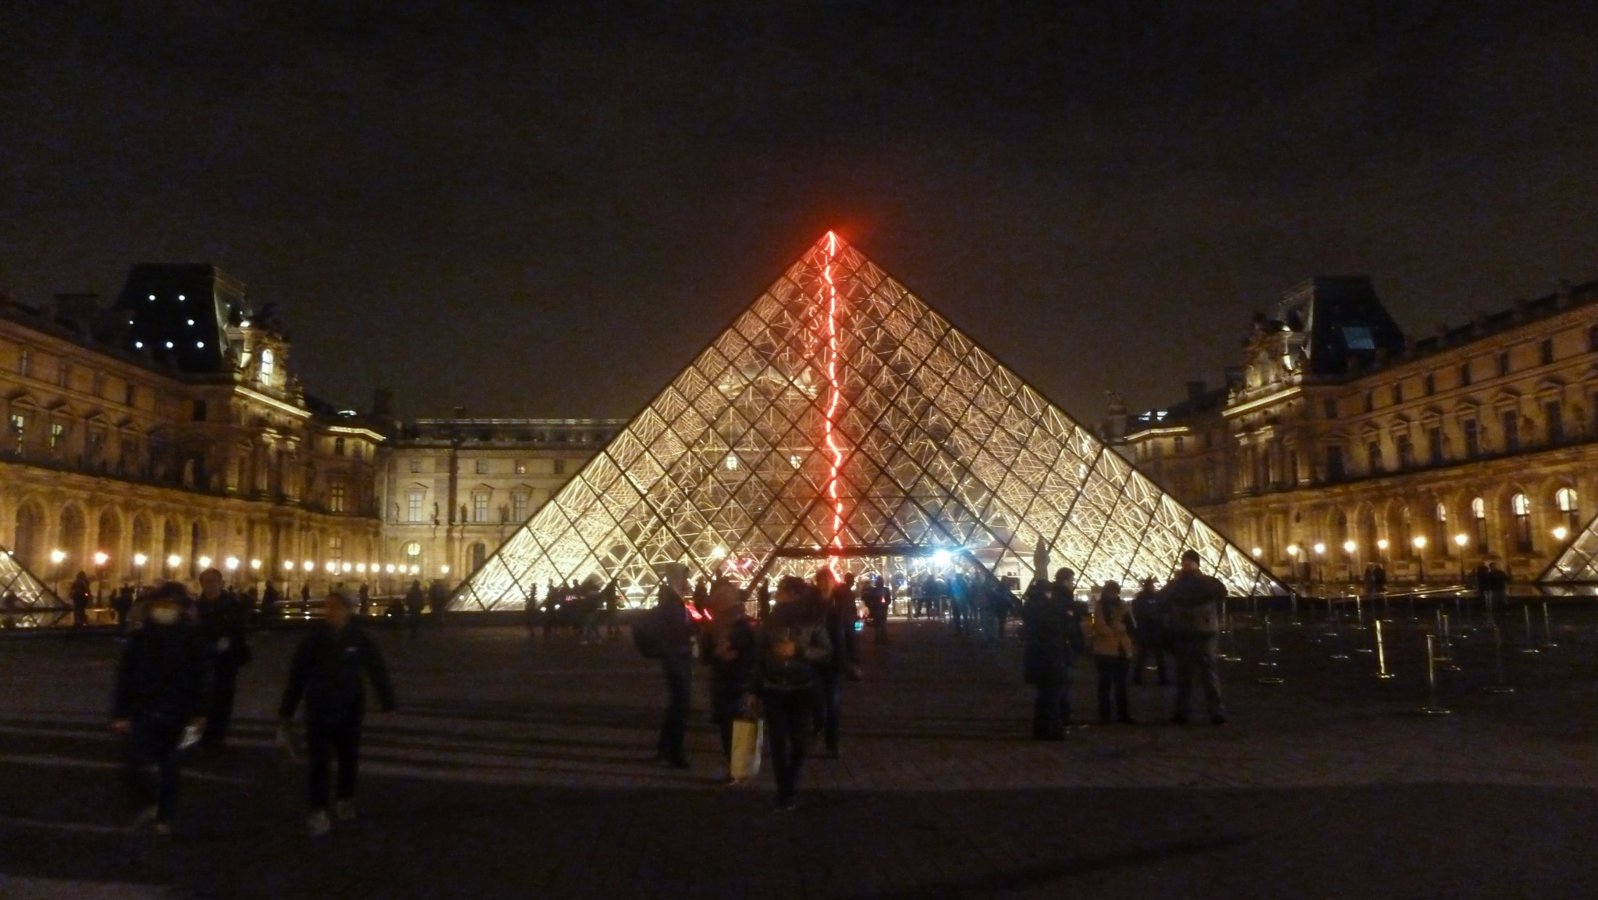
x=231, y=564
x=203, y=562
x=1560, y=533
x=1256, y=552
x=1461, y=540
x=1320, y=564
x=1381, y=547
x=1292, y=553
x=1420, y=557
x=139, y=559
x=1349, y=547
x=57, y=557
x=100, y=559
x=172, y=562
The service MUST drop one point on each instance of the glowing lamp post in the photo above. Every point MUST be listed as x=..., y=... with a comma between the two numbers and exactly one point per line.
x=1292, y=554
x=1420, y=558
x=1349, y=547
x=1320, y=563
x=231, y=566
x=1381, y=550
x=1560, y=533
x=172, y=562
x=1461, y=540
x=139, y=559
x=100, y=559
x=57, y=557
x=203, y=563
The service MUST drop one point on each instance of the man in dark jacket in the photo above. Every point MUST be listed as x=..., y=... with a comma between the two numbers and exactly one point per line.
x=675, y=629
x=836, y=615
x=1148, y=617
x=160, y=689
x=327, y=671
x=790, y=650
x=1053, y=638
x=1192, y=602
x=222, y=620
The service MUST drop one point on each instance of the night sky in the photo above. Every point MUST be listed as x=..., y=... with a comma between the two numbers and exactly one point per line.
x=547, y=211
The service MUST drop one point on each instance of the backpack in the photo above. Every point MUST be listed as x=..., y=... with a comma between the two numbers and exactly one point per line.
x=646, y=637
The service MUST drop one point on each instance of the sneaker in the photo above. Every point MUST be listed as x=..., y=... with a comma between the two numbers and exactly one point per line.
x=344, y=810
x=317, y=824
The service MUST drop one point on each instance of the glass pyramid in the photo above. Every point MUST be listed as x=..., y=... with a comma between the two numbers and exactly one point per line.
x=25, y=602
x=840, y=416
x=1579, y=563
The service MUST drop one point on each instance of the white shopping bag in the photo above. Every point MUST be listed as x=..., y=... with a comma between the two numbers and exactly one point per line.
x=748, y=737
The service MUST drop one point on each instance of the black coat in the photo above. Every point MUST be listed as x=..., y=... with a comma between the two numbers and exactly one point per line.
x=222, y=622
x=674, y=627
x=327, y=671
x=1053, y=632
x=162, y=673
x=790, y=622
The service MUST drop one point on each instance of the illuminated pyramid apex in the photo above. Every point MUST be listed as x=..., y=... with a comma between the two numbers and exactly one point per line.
x=840, y=417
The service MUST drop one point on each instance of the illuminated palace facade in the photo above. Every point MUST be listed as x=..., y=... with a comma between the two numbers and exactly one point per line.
x=1341, y=441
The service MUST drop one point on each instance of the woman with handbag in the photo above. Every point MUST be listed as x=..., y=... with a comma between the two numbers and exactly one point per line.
x=727, y=646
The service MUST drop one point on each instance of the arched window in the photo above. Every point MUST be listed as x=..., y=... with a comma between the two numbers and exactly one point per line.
x=1521, y=507
x=268, y=365
x=1478, y=514
x=1565, y=498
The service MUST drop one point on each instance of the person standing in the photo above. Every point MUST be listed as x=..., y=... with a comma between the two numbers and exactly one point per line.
x=1150, y=632
x=222, y=620
x=675, y=630
x=270, y=599
x=81, y=597
x=792, y=647
x=877, y=599
x=415, y=600
x=1110, y=635
x=160, y=691
x=1192, y=603
x=836, y=614
x=438, y=601
x=1053, y=634
x=326, y=673
x=727, y=646
x=763, y=599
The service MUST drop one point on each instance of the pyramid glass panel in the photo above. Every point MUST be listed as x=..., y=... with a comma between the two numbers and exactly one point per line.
x=25, y=601
x=840, y=416
x=1579, y=563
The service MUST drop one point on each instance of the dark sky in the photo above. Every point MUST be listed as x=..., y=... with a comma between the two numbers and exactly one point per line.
x=546, y=209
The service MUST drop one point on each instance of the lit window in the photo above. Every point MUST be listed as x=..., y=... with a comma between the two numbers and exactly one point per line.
x=518, y=506
x=19, y=428
x=413, y=505
x=413, y=549
x=520, y=467
x=1522, y=510
x=480, y=507
x=267, y=365
x=58, y=434
x=1565, y=498
x=335, y=496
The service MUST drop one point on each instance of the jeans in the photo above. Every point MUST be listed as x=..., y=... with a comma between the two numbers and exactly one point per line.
x=788, y=723
x=829, y=698
x=679, y=673
x=1196, y=658
x=323, y=741
x=154, y=741
x=1051, y=709
x=1112, y=680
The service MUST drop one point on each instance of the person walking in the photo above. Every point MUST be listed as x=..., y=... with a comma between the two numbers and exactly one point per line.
x=1192, y=603
x=1149, y=635
x=675, y=630
x=835, y=613
x=1053, y=635
x=727, y=647
x=222, y=620
x=791, y=649
x=1110, y=638
x=326, y=673
x=160, y=692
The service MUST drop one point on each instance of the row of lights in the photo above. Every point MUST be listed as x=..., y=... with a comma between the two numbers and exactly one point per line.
x=232, y=563
x=1420, y=542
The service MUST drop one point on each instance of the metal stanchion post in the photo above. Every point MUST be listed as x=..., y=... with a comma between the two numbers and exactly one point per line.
x=1448, y=648
x=1336, y=636
x=1381, y=654
x=1431, y=708
x=1525, y=609
x=1437, y=629
x=1359, y=613
x=1498, y=655
x=1269, y=663
x=1548, y=629
x=1229, y=635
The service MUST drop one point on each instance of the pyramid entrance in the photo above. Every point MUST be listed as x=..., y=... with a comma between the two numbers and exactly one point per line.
x=840, y=416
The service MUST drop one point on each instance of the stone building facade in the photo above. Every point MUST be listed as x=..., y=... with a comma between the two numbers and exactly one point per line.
x=1340, y=441
x=165, y=432
x=452, y=490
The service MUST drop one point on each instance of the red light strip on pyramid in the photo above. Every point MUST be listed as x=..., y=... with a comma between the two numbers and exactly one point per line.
x=829, y=440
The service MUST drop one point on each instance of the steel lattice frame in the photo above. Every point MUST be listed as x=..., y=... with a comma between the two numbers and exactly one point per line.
x=35, y=604
x=841, y=411
x=1579, y=563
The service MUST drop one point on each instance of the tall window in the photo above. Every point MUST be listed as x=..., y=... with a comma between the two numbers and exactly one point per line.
x=1440, y=530
x=1464, y=374
x=560, y=467
x=1430, y=384
x=1510, y=420
x=1374, y=451
x=1472, y=438
x=416, y=465
x=1554, y=421
x=268, y=365
x=1331, y=408
x=58, y=435
x=1478, y=515
x=413, y=504
x=335, y=549
x=1503, y=363
x=518, y=506
x=1565, y=499
x=482, y=466
x=1398, y=392
x=338, y=446
x=1370, y=400
x=25, y=363
x=1434, y=444
x=335, y=496
x=1334, y=463
x=1545, y=351
x=1521, y=507
x=63, y=373
x=1406, y=452
x=519, y=467
x=480, y=506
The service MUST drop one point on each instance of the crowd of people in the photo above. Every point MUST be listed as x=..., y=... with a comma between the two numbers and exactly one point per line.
x=176, y=683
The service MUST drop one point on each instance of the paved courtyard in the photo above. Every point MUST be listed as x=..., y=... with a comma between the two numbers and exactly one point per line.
x=520, y=768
